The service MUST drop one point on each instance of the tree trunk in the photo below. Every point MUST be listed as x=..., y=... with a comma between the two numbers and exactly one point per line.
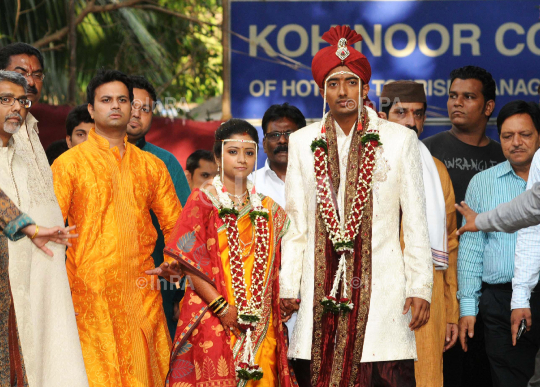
x=72, y=43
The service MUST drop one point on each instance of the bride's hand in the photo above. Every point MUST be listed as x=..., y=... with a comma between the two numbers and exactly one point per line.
x=230, y=323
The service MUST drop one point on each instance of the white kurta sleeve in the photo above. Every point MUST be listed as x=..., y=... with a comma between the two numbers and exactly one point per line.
x=417, y=253
x=295, y=241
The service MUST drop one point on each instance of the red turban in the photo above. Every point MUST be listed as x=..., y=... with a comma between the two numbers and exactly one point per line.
x=327, y=59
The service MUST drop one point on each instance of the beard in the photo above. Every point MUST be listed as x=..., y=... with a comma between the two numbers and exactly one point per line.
x=12, y=127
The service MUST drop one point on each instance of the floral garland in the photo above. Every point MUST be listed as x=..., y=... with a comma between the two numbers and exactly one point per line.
x=249, y=312
x=342, y=238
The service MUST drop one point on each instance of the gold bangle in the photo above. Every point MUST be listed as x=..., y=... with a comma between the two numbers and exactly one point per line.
x=217, y=309
x=35, y=234
x=218, y=305
x=215, y=300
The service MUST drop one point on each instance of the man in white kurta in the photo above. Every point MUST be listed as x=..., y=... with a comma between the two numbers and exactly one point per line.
x=384, y=346
x=41, y=295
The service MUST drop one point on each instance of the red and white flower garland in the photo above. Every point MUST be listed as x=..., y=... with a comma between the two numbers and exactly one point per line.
x=249, y=311
x=342, y=237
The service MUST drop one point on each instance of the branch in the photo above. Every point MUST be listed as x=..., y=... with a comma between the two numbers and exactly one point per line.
x=33, y=9
x=90, y=8
x=17, y=15
x=177, y=14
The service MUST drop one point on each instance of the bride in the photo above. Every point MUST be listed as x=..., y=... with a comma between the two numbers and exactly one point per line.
x=227, y=241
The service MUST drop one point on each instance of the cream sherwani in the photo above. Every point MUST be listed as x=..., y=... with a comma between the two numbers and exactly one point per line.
x=397, y=184
x=42, y=299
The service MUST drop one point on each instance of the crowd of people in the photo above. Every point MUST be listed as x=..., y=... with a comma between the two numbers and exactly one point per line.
x=338, y=263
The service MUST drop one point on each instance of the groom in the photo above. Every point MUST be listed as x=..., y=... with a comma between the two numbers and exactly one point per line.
x=345, y=196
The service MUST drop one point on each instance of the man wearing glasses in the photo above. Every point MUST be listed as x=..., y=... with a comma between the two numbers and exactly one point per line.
x=144, y=98
x=38, y=331
x=278, y=123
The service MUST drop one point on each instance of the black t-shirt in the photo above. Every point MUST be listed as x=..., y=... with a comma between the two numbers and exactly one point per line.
x=463, y=161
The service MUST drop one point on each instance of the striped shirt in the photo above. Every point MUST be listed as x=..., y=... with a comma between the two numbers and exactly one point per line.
x=487, y=257
x=527, y=252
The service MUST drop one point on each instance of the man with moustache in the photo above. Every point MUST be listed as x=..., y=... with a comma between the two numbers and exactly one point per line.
x=486, y=260
x=278, y=123
x=200, y=168
x=348, y=179
x=107, y=187
x=38, y=332
x=466, y=150
x=139, y=125
x=404, y=102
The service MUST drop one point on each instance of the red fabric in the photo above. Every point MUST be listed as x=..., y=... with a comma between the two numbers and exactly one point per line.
x=180, y=137
x=326, y=59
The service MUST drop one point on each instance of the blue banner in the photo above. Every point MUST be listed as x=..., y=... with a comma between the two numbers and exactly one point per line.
x=417, y=40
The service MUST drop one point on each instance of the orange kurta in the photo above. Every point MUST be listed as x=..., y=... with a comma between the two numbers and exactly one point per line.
x=122, y=327
x=430, y=339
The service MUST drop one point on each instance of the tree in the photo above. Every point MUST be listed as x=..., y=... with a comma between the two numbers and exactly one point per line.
x=174, y=43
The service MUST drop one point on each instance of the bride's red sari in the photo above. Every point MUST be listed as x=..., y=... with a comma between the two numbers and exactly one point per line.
x=203, y=355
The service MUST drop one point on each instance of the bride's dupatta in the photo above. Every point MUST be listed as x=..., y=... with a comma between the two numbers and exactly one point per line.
x=202, y=353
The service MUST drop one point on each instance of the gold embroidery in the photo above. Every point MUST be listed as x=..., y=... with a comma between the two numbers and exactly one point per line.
x=194, y=299
x=218, y=329
x=209, y=370
x=222, y=368
x=206, y=345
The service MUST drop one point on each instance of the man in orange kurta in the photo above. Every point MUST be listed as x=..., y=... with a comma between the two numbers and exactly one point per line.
x=404, y=102
x=107, y=187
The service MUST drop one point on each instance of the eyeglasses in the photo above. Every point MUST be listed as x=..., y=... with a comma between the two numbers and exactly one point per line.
x=275, y=136
x=10, y=101
x=38, y=76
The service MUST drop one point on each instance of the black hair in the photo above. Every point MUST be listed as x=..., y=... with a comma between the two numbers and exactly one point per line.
x=519, y=107
x=55, y=150
x=193, y=161
x=386, y=108
x=107, y=76
x=275, y=112
x=76, y=116
x=229, y=129
x=19, y=48
x=489, y=87
x=140, y=82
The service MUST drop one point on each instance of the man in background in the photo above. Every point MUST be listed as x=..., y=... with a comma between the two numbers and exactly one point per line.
x=466, y=150
x=144, y=98
x=200, y=168
x=404, y=102
x=278, y=122
x=486, y=260
x=78, y=125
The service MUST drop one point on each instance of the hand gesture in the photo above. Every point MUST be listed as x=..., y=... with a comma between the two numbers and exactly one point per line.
x=171, y=272
x=420, y=312
x=469, y=216
x=230, y=322
x=515, y=320
x=288, y=306
x=451, y=337
x=466, y=329
x=60, y=235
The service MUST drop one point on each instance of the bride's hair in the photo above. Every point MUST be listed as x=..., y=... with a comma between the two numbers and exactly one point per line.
x=229, y=129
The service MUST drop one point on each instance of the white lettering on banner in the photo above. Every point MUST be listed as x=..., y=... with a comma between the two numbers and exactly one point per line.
x=433, y=87
x=472, y=40
x=256, y=83
x=464, y=34
x=411, y=40
x=375, y=44
x=422, y=40
x=260, y=39
x=531, y=35
x=304, y=40
x=499, y=39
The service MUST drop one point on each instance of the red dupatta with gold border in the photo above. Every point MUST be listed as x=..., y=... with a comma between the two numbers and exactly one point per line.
x=202, y=353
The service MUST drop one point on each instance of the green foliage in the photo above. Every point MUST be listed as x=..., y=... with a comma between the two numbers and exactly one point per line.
x=181, y=58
